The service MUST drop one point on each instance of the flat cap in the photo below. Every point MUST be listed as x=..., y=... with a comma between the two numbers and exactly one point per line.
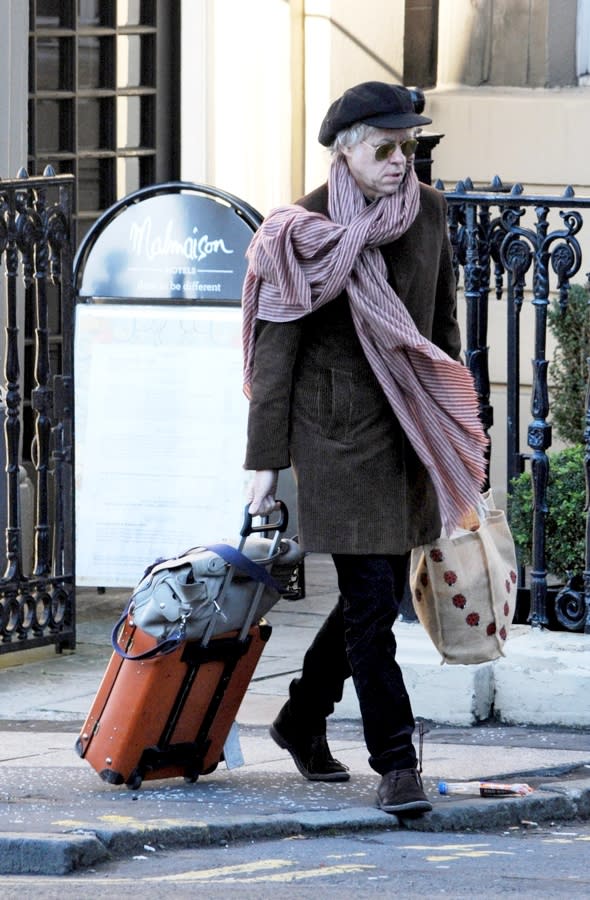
x=373, y=103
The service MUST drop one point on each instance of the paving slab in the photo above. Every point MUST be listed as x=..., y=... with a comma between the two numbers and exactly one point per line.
x=56, y=815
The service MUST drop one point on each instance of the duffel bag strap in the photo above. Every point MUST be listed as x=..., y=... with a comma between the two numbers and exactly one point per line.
x=168, y=645
x=240, y=561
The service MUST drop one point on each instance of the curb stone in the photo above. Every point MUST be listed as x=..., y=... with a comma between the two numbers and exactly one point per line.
x=473, y=815
x=122, y=841
x=48, y=854
x=578, y=791
x=198, y=834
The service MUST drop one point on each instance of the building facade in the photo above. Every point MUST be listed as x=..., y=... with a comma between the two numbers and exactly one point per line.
x=128, y=93
x=132, y=92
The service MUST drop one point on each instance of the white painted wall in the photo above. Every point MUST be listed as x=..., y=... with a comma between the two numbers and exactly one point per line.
x=195, y=84
x=236, y=107
x=14, y=25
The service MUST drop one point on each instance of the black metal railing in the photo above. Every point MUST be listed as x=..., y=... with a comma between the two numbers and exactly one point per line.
x=513, y=245
x=37, y=595
x=507, y=244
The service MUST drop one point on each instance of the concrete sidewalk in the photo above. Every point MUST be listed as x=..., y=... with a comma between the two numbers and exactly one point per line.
x=57, y=815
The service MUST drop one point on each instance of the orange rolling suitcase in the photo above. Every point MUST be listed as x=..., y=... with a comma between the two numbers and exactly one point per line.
x=168, y=716
x=163, y=715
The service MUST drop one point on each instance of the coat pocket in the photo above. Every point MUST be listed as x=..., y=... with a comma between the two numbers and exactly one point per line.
x=334, y=404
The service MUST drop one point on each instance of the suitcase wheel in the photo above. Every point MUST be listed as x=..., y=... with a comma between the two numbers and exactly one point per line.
x=191, y=777
x=134, y=780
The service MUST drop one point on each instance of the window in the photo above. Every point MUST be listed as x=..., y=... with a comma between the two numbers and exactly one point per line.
x=103, y=106
x=103, y=96
x=420, y=43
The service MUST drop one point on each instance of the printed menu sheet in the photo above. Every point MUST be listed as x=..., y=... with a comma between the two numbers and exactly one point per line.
x=160, y=435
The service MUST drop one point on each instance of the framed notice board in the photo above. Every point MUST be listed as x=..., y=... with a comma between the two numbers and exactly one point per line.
x=160, y=417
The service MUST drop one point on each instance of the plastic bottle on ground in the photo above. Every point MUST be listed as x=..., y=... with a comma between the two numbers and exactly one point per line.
x=484, y=788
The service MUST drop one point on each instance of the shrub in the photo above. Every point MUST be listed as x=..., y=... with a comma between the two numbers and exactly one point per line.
x=565, y=523
x=569, y=370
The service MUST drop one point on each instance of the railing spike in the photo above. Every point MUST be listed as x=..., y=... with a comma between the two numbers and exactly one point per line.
x=22, y=173
x=460, y=187
x=468, y=184
x=517, y=189
x=439, y=185
x=496, y=183
x=49, y=171
x=569, y=191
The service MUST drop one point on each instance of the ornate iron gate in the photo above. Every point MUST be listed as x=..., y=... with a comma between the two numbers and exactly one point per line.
x=501, y=238
x=37, y=595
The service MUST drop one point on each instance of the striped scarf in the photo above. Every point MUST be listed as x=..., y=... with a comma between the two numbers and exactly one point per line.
x=299, y=260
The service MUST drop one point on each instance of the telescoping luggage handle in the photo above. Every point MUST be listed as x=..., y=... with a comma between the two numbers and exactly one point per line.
x=263, y=578
x=236, y=560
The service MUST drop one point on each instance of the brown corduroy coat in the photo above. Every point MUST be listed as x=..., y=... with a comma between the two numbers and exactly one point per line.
x=316, y=404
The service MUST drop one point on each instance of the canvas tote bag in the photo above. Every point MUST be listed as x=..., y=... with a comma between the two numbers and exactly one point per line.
x=464, y=587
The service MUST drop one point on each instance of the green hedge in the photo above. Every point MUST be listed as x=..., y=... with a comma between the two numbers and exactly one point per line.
x=565, y=534
x=568, y=370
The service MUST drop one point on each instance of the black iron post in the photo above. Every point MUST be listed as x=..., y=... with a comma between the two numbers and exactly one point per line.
x=427, y=141
x=13, y=398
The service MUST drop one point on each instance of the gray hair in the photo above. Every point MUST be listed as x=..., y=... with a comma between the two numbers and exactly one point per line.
x=356, y=134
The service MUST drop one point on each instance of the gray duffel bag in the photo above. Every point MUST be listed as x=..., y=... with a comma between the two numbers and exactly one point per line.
x=211, y=590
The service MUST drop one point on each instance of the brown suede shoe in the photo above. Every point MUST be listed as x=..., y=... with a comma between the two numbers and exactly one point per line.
x=311, y=755
x=401, y=792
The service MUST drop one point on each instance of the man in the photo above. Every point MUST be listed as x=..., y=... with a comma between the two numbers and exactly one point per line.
x=351, y=365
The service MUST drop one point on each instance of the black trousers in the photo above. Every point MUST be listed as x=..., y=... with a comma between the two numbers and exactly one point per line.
x=357, y=639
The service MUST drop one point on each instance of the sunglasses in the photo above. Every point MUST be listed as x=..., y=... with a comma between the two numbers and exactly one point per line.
x=384, y=151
